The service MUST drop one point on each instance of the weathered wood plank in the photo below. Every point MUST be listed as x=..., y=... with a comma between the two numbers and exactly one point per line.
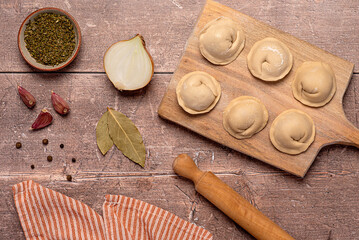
x=89, y=95
x=313, y=208
x=166, y=26
x=325, y=202
x=324, y=205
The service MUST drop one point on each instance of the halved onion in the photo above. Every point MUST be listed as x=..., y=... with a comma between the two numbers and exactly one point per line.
x=128, y=64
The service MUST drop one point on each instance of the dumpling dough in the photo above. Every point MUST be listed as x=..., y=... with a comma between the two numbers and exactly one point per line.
x=244, y=116
x=292, y=131
x=269, y=60
x=221, y=41
x=198, y=92
x=314, y=84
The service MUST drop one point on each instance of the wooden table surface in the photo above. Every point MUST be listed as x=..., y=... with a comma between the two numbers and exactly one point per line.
x=323, y=205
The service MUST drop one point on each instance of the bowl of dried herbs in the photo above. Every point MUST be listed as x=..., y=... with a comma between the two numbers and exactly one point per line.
x=49, y=39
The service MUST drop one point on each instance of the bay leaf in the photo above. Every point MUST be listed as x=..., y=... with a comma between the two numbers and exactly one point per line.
x=104, y=141
x=126, y=137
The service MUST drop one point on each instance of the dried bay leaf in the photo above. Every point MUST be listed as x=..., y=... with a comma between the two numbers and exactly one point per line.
x=104, y=141
x=126, y=136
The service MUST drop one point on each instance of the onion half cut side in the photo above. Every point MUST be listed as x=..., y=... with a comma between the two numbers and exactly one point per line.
x=128, y=64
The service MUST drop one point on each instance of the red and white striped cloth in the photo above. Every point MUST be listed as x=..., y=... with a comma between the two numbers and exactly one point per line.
x=46, y=214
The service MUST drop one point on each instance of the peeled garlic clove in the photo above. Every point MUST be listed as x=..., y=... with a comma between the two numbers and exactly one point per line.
x=60, y=105
x=26, y=97
x=44, y=119
x=128, y=64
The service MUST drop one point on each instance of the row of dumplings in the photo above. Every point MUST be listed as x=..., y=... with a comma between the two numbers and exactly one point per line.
x=293, y=131
x=222, y=40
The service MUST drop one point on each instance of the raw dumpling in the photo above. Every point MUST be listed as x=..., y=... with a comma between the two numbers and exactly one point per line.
x=269, y=60
x=292, y=132
x=221, y=41
x=244, y=116
x=198, y=92
x=314, y=84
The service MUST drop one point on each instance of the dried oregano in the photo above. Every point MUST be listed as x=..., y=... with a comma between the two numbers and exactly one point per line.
x=50, y=38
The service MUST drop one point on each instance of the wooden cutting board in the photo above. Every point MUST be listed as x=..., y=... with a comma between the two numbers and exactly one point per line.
x=332, y=127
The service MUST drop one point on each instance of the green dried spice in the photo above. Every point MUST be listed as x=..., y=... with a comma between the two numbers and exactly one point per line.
x=104, y=141
x=115, y=128
x=50, y=38
x=126, y=137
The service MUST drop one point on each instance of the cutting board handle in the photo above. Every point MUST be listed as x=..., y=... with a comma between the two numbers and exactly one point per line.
x=350, y=134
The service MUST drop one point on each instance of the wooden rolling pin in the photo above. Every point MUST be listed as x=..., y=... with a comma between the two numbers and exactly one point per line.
x=228, y=201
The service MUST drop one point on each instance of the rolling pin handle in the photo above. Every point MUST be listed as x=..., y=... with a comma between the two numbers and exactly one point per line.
x=184, y=166
x=229, y=201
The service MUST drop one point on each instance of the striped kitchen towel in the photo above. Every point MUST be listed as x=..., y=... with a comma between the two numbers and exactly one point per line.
x=47, y=214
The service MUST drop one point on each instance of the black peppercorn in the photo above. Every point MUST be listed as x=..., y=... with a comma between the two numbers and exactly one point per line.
x=61, y=145
x=32, y=166
x=73, y=160
x=45, y=141
x=69, y=178
x=18, y=145
x=49, y=158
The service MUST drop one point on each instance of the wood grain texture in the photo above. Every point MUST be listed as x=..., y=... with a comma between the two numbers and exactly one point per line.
x=314, y=208
x=229, y=201
x=324, y=203
x=330, y=25
x=235, y=79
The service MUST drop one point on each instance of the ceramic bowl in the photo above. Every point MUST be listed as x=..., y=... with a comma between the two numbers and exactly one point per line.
x=25, y=53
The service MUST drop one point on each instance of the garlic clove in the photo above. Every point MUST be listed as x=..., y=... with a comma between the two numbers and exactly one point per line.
x=26, y=97
x=60, y=105
x=44, y=119
x=128, y=64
